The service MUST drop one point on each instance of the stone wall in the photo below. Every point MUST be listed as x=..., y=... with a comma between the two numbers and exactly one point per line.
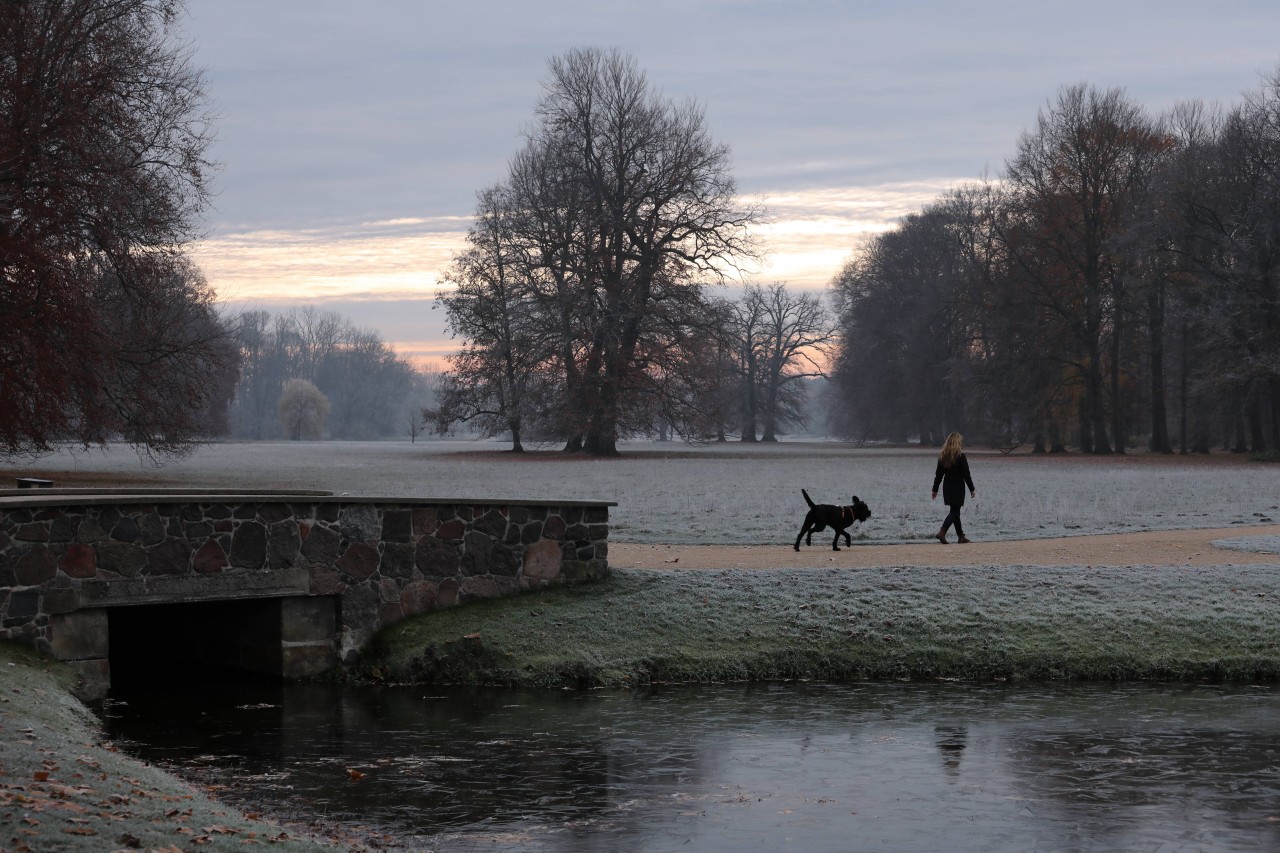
x=380, y=559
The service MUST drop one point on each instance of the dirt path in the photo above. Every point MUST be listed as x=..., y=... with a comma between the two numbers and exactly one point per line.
x=1158, y=548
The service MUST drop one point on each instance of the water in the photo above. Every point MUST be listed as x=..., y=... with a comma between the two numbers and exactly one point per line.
x=804, y=767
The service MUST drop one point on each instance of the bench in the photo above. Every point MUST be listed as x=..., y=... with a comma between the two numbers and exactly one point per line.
x=34, y=483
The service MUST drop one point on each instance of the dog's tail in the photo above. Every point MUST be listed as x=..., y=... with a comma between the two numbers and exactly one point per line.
x=807, y=499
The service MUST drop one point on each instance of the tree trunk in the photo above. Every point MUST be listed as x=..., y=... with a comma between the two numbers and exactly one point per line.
x=1159, y=414
x=1097, y=412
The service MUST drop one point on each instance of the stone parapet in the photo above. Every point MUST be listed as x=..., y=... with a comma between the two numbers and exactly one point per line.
x=65, y=551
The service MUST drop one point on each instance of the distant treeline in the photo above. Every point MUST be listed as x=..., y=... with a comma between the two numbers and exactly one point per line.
x=1118, y=286
x=368, y=391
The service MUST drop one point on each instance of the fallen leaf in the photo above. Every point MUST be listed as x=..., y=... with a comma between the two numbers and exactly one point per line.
x=218, y=829
x=354, y=775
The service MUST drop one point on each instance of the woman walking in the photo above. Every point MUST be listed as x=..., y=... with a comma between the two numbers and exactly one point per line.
x=953, y=473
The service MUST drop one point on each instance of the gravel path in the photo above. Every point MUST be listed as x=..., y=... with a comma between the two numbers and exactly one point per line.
x=1153, y=548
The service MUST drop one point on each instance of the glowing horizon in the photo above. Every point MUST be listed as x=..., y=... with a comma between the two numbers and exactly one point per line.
x=807, y=237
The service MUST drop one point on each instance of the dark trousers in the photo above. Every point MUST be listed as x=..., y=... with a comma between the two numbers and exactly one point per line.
x=953, y=517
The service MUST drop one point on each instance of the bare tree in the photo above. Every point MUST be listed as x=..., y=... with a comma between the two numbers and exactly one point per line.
x=798, y=333
x=1075, y=177
x=500, y=373
x=654, y=211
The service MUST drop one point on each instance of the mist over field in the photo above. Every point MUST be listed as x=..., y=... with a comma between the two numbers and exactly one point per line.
x=671, y=493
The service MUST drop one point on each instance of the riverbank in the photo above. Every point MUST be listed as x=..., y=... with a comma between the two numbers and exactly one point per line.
x=973, y=623
x=62, y=788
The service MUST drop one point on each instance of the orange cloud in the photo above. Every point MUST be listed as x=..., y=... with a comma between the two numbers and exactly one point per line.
x=807, y=238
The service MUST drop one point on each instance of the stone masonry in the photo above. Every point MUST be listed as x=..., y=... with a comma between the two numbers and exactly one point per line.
x=65, y=559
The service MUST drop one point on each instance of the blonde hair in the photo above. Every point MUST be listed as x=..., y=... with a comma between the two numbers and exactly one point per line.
x=951, y=449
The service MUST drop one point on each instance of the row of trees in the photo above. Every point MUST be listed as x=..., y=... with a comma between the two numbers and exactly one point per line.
x=107, y=331
x=314, y=374
x=1119, y=284
x=579, y=302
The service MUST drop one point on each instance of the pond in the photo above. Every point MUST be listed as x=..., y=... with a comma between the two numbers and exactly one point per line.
x=793, y=766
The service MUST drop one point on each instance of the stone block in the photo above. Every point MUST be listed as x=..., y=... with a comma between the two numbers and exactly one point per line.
x=321, y=546
x=542, y=560
x=34, y=532
x=478, y=587
x=359, y=561
x=418, y=597
x=397, y=525
x=80, y=635
x=62, y=600
x=274, y=513
x=151, y=529
x=79, y=561
x=283, y=544
x=23, y=605
x=93, y=679
x=63, y=528
x=554, y=527
x=125, y=530
x=249, y=546
x=37, y=566
x=360, y=523
x=123, y=558
x=436, y=559
x=197, y=530
x=90, y=531
x=424, y=522
x=492, y=524
x=313, y=619
x=451, y=529
x=308, y=660
x=172, y=557
x=476, y=550
x=397, y=560
x=210, y=558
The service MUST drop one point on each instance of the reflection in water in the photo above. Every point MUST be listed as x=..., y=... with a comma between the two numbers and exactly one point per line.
x=773, y=766
x=950, y=740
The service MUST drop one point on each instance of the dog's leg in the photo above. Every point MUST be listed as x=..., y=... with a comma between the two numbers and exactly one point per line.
x=847, y=539
x=835, y=543
x=807, y=527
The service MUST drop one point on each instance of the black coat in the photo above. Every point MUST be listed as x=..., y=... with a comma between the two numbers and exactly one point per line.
x=954, y=480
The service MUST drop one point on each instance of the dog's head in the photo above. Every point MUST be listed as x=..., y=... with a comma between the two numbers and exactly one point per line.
x=860, y=510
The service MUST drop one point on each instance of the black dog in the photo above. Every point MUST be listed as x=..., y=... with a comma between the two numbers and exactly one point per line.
x=838, y=518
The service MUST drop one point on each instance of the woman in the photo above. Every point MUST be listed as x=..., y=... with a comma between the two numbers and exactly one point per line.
x=953, y=473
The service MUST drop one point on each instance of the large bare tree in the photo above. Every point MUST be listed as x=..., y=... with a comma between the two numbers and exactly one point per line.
x=653, y=212
x=1075, y=177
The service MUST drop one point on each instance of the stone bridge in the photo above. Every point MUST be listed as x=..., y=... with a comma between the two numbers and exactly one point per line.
x=289, y=584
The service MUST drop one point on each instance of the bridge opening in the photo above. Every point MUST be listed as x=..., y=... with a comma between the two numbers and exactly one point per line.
x=195, y=641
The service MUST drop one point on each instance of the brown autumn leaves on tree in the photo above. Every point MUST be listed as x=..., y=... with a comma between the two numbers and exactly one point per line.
x=106, y=330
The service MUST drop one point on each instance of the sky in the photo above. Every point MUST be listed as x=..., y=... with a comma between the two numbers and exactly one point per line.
x=353, y=138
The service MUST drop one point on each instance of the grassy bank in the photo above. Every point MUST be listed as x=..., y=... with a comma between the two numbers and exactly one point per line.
x=978, y=624
x=63, y=788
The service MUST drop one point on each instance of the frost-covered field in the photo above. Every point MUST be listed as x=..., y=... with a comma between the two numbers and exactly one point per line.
x=735, y=494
